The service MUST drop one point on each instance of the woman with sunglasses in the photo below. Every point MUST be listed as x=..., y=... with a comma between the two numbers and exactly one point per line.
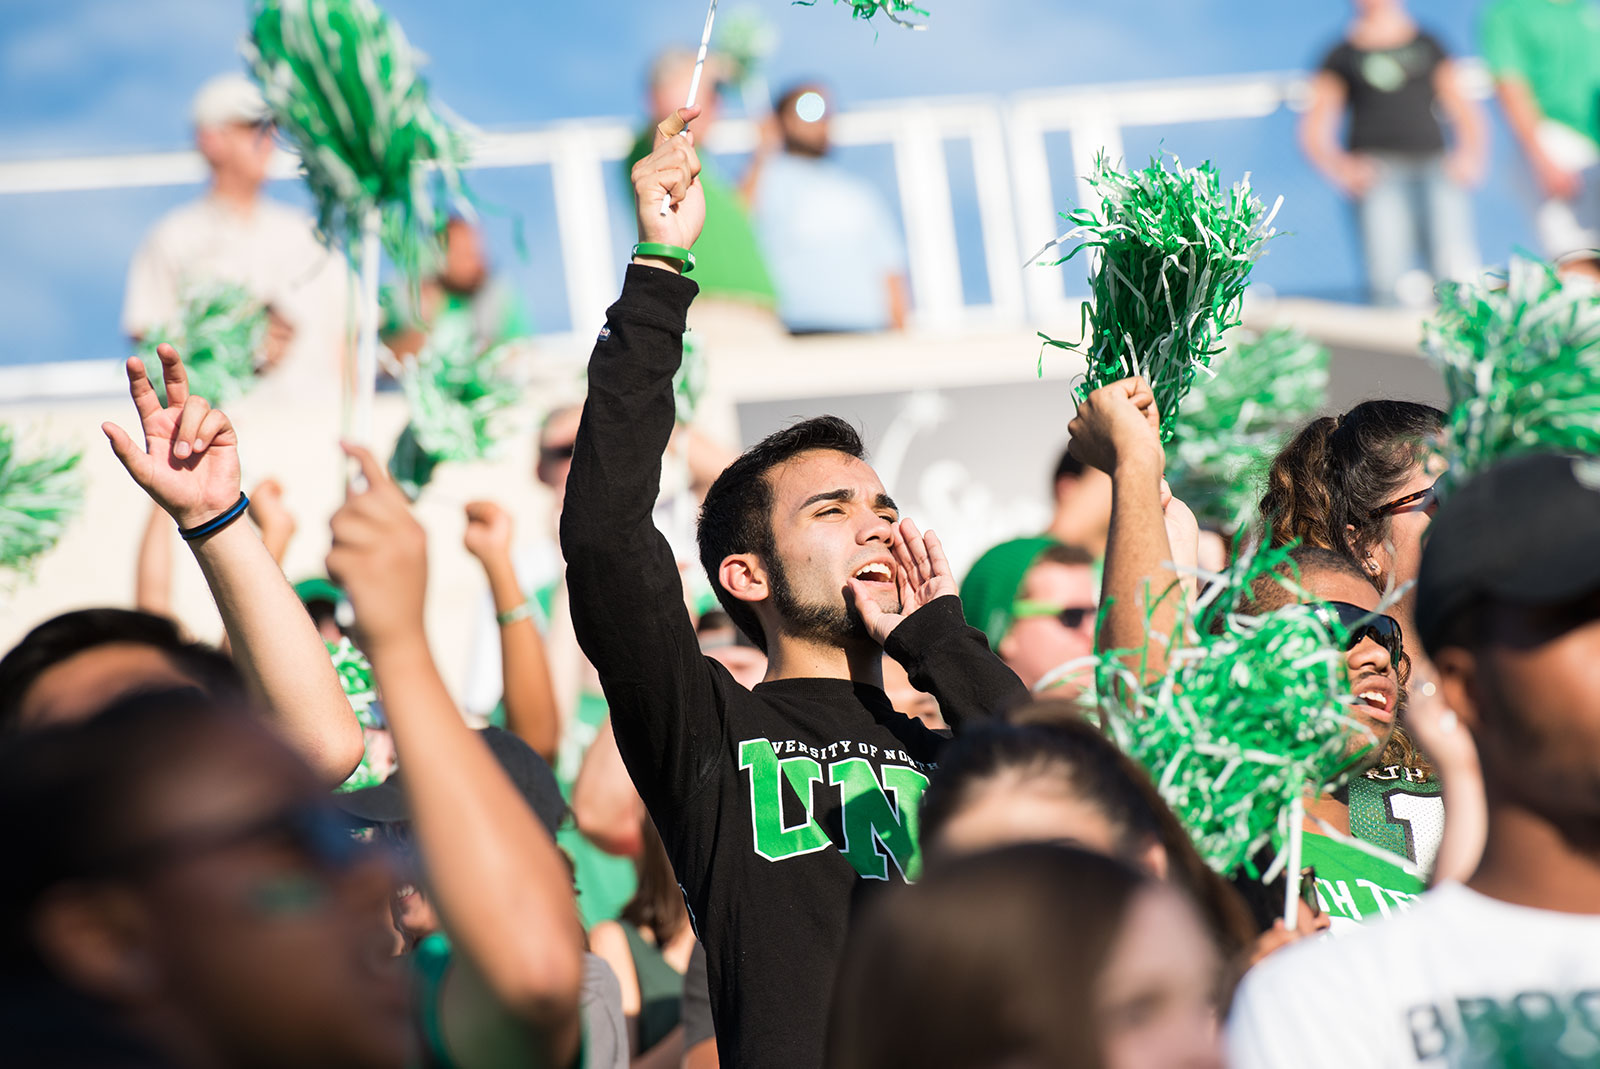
x=1361, y=485
x=1116, y=429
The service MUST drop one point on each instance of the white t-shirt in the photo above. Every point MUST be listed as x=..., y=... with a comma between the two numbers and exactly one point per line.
x=1431, y=987
x=272, y=252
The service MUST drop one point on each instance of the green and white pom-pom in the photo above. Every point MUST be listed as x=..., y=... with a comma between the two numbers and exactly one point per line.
x=1252, y=711
x=893, y=10
x=747, y=40
x=39, y=495
x=343, y=86
x=1173, y=249
x=220, y=333
x=457, y=396
x=355, y=675
x=1521, y=363
x=689, y=381
x=1235, y=421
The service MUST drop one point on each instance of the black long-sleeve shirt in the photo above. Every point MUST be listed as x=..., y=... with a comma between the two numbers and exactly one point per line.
x=777, y=805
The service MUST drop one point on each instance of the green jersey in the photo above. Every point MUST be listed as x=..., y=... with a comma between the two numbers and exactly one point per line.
x=1354, y=885
x=1393, y=808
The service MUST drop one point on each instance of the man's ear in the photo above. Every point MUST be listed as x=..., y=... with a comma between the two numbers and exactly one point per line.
x=94, y=938
x=1154, y=859
x=743, y=576
x=1458, y=686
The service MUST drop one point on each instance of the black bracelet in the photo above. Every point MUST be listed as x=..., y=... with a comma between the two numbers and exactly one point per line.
x=211, y=527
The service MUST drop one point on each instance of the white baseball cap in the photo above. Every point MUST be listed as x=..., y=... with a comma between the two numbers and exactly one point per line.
x=228, y=98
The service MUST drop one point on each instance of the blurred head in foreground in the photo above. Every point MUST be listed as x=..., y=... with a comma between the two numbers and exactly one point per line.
x=1051, y=776
x=177, y=876
x=1035, y=955
x=1508, y=607
x=75, y=664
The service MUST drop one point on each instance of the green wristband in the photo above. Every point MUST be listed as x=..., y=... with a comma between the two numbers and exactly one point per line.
x=666, y=252
x=511, y=616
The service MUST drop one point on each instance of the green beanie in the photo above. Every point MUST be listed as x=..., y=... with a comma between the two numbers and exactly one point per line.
x=990, y=588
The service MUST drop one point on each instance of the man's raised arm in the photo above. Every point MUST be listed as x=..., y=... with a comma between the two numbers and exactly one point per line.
x=626, y=593
x=190, y=467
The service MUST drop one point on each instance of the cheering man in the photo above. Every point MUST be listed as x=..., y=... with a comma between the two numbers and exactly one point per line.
x=776, y=805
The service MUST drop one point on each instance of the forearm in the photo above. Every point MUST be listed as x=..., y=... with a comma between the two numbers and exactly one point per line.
x=623, y=581
x=152, y=580
x=951, y=661
x=1318, y=131
x=1464, y=117
x=1140, y=593
x=276, y=539
x=529, y=695
x=495, y=876
x=1522, y=111
x=278, y=651
x=899, y=301
x=605, y=803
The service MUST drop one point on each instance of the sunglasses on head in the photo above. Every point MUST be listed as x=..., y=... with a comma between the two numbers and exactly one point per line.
x=1071, y=616
x=1420, y=501
x=317, y=830
x=1359, y=624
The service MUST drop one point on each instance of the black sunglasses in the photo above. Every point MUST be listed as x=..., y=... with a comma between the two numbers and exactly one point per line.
x=1359, y=624
x=556, y=452
x=317, y=830
x=1071, y=616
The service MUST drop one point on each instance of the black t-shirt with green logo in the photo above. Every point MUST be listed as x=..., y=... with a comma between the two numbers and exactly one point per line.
x=1390, y=95
x=777, y=806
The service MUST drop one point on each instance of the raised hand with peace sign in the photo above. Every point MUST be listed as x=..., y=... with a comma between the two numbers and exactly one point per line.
x=190, y=461
x=190, y=467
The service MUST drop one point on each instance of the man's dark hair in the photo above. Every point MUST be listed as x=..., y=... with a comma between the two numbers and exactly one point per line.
x=1067, y=467
x=1063, y=553
x=73, y=633
x=736, y=516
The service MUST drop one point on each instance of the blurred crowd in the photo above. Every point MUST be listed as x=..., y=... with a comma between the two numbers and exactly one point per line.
x=1392, y=124
x=775, y=787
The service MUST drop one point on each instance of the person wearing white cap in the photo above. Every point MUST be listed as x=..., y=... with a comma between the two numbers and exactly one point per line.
x=234, y=234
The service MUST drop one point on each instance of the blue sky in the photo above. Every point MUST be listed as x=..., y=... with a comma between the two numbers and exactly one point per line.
x=87, y=77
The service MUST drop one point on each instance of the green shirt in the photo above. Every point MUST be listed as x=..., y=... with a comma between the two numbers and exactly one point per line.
x=1554, y=46
x=727, y=256
x=1354, y=886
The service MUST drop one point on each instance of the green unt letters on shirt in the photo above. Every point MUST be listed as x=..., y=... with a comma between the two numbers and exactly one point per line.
x=879, y=808
x=1353, y=886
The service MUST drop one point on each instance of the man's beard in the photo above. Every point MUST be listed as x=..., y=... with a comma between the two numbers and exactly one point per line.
x=833, y=625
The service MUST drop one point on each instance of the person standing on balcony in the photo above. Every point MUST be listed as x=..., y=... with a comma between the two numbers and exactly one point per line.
x=735, y=318
x=1545, y=59
x=729, y=266
x=840, y=264
x=1395, y=82
x=236, y=235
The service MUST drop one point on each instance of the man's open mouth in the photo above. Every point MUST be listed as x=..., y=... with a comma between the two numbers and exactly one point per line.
x=876, y=572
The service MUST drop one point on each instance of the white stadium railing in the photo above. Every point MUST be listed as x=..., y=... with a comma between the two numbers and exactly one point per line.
x=1012, y=175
